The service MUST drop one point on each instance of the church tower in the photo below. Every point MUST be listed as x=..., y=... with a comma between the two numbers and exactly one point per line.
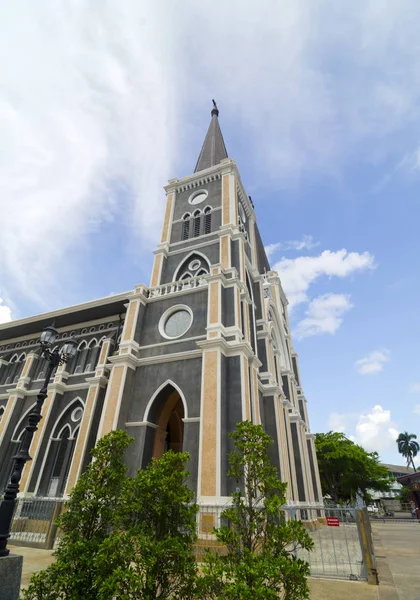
x=177, y=363
x=208, y=343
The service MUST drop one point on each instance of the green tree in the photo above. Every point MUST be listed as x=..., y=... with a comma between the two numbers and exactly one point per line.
x=346, y=469
x=258, y=562
x=89, y=515
x=404, y=496
x=151, y=552
x=124, y=538
x=408, y=447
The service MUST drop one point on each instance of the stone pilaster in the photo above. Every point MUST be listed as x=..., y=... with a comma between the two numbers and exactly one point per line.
x=96, y=383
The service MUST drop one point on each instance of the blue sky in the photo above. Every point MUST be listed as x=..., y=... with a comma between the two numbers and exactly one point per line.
x=101, y=104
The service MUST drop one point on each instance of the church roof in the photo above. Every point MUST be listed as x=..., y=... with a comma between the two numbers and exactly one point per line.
x=214, y=149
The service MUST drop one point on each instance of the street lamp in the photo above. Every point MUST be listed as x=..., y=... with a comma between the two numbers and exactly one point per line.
x=55, y=358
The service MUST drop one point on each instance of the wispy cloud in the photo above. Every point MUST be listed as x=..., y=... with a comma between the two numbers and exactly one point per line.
x=324, y=315
x=306, y=243
x=373, y=363
x=297, y=274
x=416, y=409
x=86, y=112
x=414, y=388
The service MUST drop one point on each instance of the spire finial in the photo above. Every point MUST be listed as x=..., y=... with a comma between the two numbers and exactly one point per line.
x=214, y=110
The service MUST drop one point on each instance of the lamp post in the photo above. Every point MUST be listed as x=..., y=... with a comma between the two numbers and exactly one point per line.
x=55, y=358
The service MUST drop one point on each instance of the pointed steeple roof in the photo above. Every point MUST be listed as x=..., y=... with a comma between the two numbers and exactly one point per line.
x=214, y=149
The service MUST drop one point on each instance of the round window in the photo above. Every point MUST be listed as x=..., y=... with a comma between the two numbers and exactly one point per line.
x=194, y=264
x=76, y=415
x=175, y=322
x=198, y=196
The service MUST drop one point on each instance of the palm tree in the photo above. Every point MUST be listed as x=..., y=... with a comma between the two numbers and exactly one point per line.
x=408, y=447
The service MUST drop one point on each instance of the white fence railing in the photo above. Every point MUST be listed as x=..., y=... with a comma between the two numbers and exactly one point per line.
x=174, y=287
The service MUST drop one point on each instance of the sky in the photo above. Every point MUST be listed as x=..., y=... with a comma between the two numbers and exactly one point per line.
x=102, y=102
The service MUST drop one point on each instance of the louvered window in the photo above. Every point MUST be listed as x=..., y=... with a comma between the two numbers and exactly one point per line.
x=207, y=220
x=197, y=219
x=186, y=228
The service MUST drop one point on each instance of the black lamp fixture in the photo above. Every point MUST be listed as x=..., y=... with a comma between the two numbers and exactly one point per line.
x=55, y=358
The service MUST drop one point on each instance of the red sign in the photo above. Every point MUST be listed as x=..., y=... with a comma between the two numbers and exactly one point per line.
x=333, y=521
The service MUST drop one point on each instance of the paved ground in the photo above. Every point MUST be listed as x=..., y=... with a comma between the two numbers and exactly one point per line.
x=397, y=547
x=34, y=560
x=321, y=589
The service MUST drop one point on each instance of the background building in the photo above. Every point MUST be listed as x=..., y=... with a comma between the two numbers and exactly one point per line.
x=390, y=499
x=177, y=363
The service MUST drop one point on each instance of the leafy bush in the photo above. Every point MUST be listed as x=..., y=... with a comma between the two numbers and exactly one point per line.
x=124, y=538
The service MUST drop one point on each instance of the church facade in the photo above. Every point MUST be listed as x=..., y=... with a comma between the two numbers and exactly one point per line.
x=177, y=363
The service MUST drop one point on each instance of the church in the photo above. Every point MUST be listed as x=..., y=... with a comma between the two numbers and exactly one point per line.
x=176, y=363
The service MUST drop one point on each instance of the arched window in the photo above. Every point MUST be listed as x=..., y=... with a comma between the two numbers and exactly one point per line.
x=191, y=266
x=186, y=275
x=1, y=412
x=79, y=360
x=4, y=373
x=207, y=220
x=14, y=368
x=186, y=226
x=53, y=478
x=40, y=368
x=197, y=223
x=92, y=356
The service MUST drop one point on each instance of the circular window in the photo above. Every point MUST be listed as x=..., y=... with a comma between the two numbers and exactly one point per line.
x=198, y=196
x=101, y=327
x=175, y=322
x=76, y=415
x=194, y=264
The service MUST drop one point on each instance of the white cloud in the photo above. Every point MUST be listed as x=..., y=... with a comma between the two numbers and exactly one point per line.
x=374, y=429
x=5, y=312
x=324, y=315
x=103, y=97
x=373, y=363
x=414, y=388
x=416, y=409
x=306, y=243
x=297, y=274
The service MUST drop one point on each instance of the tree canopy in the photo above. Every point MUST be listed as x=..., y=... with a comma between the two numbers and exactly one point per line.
x=408, y=447
x=346, y=469
x=124, y=537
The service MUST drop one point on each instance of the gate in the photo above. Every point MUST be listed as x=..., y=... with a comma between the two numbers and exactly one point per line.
x=343, y=547
x=33, y=522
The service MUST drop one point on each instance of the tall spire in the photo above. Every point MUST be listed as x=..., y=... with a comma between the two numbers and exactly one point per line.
x=214, y=149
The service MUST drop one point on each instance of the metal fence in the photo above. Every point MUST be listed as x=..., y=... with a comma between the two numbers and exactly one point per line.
x=33, y=522
x=342, y=538
x=338, y=546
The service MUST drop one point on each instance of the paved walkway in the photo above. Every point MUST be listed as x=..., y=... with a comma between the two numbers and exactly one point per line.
x=397, y=548
x=321, y=589
x=34, y=560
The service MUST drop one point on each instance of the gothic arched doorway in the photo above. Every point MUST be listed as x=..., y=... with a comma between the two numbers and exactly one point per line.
x=169, y=415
